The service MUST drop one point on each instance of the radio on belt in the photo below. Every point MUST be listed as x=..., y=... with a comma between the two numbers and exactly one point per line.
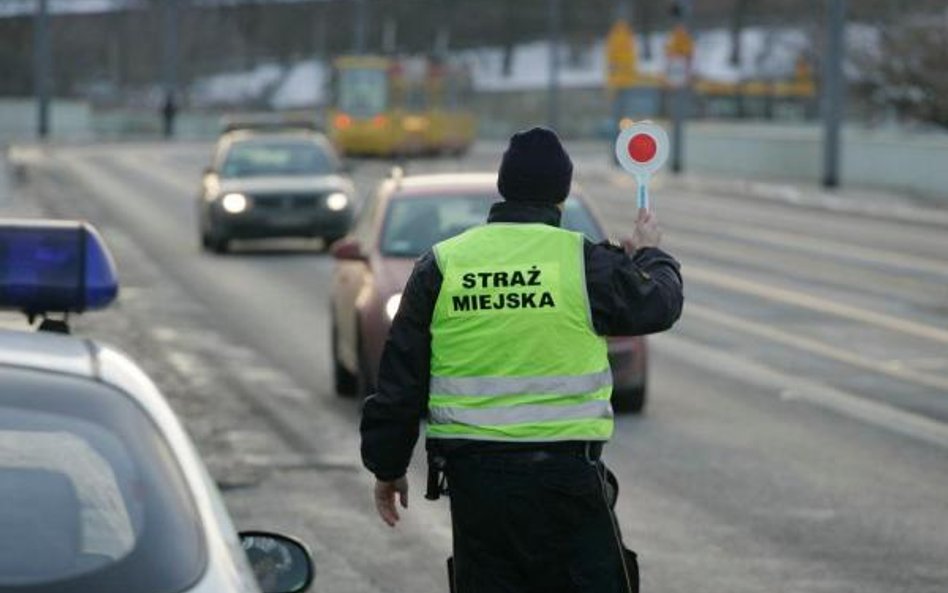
x=642, y=149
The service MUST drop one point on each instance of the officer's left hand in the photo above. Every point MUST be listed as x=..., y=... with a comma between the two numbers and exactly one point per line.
x=385, y=499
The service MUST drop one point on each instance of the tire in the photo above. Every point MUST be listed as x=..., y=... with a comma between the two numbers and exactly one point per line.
x=346, y=383
x=630, y=400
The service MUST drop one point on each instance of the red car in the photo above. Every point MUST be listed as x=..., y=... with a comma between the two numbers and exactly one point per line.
x=403, y=219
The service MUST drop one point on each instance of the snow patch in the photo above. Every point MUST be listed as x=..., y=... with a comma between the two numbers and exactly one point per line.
x=236, y=88
x=302, y=86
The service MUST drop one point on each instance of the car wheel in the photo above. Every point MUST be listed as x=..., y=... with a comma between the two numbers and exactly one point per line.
x=346, y=382
x=630, y=400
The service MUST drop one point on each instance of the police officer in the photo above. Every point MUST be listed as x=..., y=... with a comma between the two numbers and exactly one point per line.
x=500, y=343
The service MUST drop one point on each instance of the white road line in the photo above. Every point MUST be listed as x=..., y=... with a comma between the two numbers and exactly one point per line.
x=823, y=247
x=159, y=172
x=795, y=388
x=812, y=346
x=728, y=281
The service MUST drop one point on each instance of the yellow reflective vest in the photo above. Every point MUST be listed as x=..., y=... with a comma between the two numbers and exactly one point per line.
x=514, y=355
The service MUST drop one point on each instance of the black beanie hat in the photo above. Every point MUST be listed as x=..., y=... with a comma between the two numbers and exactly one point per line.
x=535, y=168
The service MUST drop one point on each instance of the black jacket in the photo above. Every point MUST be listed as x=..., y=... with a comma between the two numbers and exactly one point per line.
x=635, y=295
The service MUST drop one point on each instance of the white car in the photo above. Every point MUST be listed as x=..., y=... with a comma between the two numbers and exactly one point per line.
x=101, y=489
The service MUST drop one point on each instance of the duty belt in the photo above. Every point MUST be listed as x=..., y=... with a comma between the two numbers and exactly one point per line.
x=591, y=450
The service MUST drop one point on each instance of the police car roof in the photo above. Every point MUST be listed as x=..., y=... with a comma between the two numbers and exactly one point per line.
x=48, y=352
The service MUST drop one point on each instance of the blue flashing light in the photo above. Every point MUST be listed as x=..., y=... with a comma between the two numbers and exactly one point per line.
x=51, y=266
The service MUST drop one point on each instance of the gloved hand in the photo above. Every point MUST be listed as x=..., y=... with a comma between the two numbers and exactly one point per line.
x=385, y=493
x=646, y=234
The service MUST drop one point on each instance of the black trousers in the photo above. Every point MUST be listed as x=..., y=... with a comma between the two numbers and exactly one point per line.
x=536, y=522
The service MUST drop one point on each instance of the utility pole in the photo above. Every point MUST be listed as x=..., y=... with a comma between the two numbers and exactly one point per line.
x=320, y=34
x=361, y=26
x=644, y=26
x=389, y=36
x=738, y=16
x=553, y=107
x=170, y=108
x=41, y=67
x=442, y=40
x=680, y=49
x=833, y=90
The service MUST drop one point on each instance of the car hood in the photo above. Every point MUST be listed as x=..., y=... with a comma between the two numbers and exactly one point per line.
x=392, y=274
x=274, y=184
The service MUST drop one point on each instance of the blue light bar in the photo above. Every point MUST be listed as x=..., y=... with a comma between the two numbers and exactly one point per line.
x=52, y=266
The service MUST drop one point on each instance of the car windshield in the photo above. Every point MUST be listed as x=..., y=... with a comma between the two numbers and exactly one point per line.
x=256, y=158
x=90, y=496
x=414, y=224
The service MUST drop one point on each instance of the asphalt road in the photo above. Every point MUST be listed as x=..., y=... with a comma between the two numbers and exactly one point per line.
x=796, y=437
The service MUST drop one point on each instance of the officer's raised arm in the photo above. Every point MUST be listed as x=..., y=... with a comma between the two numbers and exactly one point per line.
x=636, y=288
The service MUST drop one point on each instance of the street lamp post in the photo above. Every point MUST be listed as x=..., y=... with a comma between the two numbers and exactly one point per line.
x=554, y=82
x=361, y=26
x=833, y=90
x=41, y=67
x=680, y=49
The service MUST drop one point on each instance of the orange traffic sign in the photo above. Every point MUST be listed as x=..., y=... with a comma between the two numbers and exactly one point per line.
x=621, y=58
x=680, y=44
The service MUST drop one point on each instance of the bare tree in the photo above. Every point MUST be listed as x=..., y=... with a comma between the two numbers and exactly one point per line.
x=738, y=18
x=906, y=68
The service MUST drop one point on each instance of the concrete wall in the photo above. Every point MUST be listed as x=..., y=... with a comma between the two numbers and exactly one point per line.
x=890, y=159
x=119, y=124
x=69, y=120
x=77, y=121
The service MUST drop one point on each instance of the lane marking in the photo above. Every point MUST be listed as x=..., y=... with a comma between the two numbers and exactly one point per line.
x=167, y=175
x=821, y=247
x=790, y=388
x=896, y=371
x=799, y=241
x=836, y=277
x=821, y=305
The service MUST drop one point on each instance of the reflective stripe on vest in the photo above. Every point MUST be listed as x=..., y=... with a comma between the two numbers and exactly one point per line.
x=519, y=414
x=514, y=356
x=485, y=386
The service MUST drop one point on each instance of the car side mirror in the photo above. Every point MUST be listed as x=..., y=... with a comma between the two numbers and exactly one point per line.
x=280, y=563
x=348, y=249
x=346, y=166
x=208, y=171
